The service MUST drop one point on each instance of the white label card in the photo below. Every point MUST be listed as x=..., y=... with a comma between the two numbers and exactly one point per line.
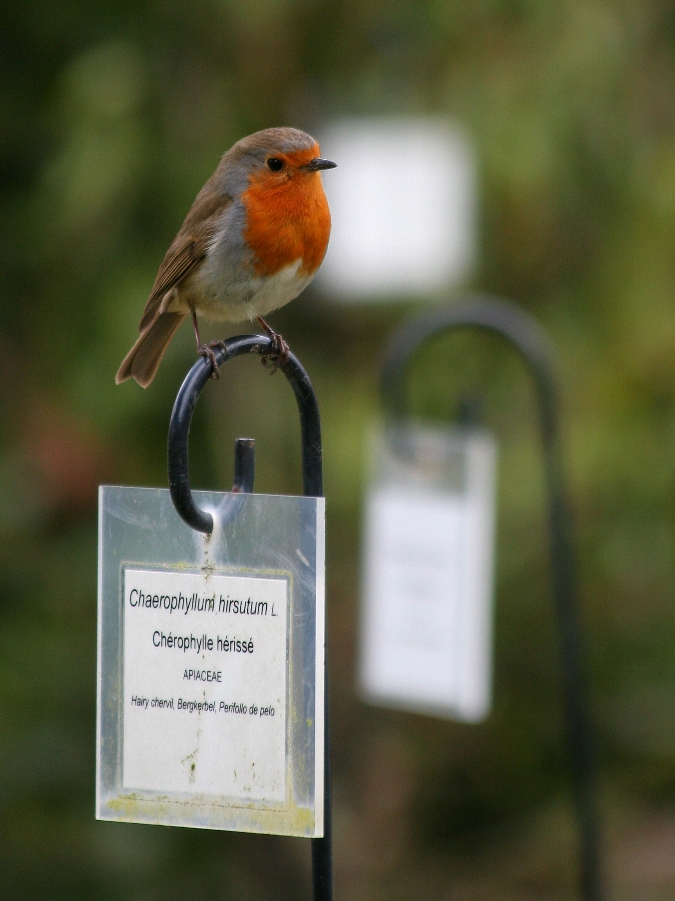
x=205, y=693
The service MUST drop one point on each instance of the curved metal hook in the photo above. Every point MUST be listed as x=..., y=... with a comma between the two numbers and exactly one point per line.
x=179, y=432
x=482, y=311
x=312, y=477
x=506, y=319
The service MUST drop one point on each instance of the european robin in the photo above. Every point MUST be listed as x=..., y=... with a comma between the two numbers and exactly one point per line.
x=253, y=239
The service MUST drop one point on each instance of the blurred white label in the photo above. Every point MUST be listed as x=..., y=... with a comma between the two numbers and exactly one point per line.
x=427, y=615
x=403, y=207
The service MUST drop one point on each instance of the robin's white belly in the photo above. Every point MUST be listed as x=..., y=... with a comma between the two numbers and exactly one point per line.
x=217, y=296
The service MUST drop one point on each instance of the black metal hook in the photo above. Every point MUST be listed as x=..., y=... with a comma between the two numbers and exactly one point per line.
x=312, y=477
x=506, y=319
x=179, y=432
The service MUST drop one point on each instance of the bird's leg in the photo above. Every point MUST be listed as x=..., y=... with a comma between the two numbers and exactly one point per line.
x=206, y=350
x=280, y=351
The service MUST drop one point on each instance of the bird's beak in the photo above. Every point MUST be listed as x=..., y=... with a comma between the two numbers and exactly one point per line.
x=317, y=164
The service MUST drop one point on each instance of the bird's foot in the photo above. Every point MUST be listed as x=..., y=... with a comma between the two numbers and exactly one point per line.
x=207, y=350
x=279, y=353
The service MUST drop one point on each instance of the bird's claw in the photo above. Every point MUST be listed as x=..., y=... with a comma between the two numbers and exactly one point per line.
x=207, y=350
x=279, y=353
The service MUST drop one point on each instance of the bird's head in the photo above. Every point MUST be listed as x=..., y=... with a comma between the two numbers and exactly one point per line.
x=274, y=157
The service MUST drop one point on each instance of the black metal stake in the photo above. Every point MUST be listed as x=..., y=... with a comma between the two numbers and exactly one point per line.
x=312, y=473
x=507, y=320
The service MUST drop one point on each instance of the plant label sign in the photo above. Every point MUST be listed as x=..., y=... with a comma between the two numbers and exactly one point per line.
x=210, y=701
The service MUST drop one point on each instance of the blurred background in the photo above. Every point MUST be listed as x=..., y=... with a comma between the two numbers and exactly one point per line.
x=113, y=114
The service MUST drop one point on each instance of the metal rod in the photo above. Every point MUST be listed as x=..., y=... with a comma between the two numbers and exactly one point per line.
x=312, y=477
x=505, y=319
x=244, y=465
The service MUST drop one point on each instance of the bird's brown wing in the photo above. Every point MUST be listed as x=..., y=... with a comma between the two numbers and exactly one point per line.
x=187, y=250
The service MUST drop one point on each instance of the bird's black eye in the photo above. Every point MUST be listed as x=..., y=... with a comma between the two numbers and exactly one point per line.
x=275, y=164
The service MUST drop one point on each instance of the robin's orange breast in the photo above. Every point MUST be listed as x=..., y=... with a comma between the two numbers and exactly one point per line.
x=287, y=220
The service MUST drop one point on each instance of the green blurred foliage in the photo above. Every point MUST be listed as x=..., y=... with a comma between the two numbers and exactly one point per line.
x=113, y=115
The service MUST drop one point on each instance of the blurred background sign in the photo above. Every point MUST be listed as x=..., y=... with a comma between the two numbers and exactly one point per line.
x=427, y=599
x=403, y=203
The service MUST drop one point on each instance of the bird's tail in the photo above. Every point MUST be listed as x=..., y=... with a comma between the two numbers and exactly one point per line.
x=145, y=356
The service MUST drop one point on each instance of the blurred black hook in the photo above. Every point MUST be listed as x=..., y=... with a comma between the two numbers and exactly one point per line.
x=506, y=319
